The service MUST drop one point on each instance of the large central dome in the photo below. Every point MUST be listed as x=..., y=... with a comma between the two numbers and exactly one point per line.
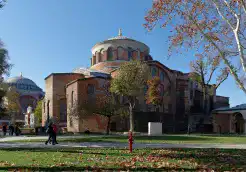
x=120, y=41
x=111, y=53
x=23, y=84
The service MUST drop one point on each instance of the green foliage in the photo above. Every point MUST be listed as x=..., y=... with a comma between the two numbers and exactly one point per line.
x=12, y=100
x=2, y=3
x=38, y=112
x=130, y=79
x=5, y=65
x=130, y=82
x=154, y=92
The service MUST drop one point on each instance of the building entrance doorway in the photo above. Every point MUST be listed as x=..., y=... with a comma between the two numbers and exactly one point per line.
x=239, y=123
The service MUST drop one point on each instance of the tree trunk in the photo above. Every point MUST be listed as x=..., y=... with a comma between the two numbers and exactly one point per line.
x=131, y=118
x=13, y=117
x=108, y=125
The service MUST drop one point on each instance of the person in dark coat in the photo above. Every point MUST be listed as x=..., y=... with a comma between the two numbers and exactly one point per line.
x=50, y=133
x=4, y=130
x=17, y=130
x=11, y=130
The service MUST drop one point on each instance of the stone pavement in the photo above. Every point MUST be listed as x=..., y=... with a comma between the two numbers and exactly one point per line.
x=103, y=144
x=16, y=138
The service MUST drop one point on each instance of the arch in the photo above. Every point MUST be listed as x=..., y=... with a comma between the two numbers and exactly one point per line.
x=238, y=123
x=138, y=54
x=90, y=89
x=161, y=90
x=162, y=76
x=100, y=55
x=63, y=110
x=110, y=54
x=153, y=71
x=130, y=50
x=120, y=53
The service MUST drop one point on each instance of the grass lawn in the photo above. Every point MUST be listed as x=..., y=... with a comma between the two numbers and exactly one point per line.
x=119, y=159
x=58, y=159
x=156, y=139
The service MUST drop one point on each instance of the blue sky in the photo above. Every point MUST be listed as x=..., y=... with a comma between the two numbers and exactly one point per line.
x=46, y=37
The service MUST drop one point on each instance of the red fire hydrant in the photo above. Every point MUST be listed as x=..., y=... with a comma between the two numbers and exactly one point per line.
x=130, y=141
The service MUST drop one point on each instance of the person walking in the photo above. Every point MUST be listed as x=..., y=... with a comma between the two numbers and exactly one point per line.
x=4, y=130
x=17, y=130
x=11, y=130
x=55, y=132
x=50, y=133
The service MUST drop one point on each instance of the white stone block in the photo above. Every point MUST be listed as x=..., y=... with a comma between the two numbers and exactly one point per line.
x=154, y=128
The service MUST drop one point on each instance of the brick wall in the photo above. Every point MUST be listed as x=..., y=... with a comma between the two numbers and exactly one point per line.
x=222, y=120
x=55, y=87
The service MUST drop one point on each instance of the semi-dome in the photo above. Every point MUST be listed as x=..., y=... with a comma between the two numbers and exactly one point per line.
x=23, y=84
x=120, y=41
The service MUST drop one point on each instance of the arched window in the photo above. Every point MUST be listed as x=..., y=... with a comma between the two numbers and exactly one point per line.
x=100, y=55
x=162, y=76
x=90, y=89
x=138, y=54
x=72, y=99
x=129, y=53
x=162, y=90
x=120, y=53
x=110, y=54
x=154, y=71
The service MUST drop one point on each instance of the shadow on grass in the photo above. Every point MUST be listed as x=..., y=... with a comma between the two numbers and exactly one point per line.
x=92, y=151
x=139, y=139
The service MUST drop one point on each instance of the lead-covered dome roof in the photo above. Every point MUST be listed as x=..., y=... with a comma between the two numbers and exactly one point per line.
x=120, y=41
x=23, y=84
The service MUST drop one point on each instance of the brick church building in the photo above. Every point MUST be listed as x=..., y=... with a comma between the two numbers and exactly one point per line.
x=183, y=102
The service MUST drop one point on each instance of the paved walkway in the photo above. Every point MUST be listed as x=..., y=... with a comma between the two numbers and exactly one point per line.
x=120, y=145
x=16, y=138
x=104, y=144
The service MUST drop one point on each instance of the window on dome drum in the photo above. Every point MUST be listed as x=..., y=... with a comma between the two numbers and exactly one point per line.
x=120, y=53
x=162, y=76
x=90, y=89
x=138, y=54
x=129, y=53
x=154, y=71
x=110, y=54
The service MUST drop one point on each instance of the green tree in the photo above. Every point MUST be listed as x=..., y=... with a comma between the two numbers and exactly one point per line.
x=2, y=3
x=203, y=70
x=154, y=92
x=212, y=27
x=38, y=112
x=11, y=101
x=129, y=82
